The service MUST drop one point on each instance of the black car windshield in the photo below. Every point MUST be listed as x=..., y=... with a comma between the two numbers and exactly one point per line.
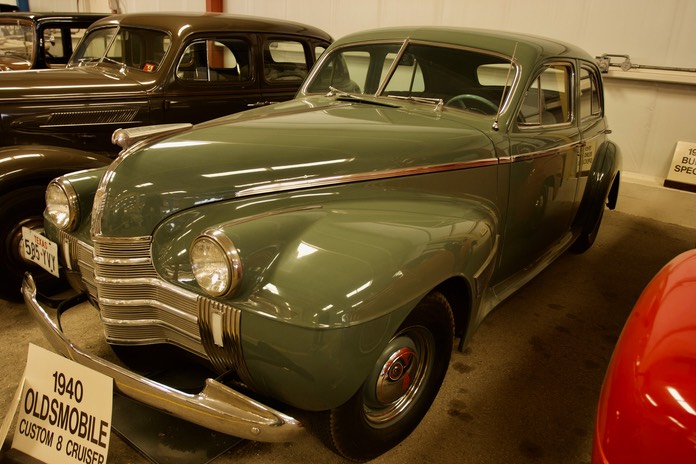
x=133, y=48
x=463, y=79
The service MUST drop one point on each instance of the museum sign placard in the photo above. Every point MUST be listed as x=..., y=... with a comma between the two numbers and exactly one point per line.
x=682, y=172
x=64, y=411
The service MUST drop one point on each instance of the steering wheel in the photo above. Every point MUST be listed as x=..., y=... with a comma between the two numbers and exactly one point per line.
x=480, y=104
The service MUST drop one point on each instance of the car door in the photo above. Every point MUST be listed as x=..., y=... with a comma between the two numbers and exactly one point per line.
x=543, y=167
x=214, y=76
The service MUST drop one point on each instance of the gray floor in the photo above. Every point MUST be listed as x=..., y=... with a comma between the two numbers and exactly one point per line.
x=526, y=387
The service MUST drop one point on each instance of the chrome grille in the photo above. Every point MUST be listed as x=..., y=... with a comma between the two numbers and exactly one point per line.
x=137, y=307
x=226, y=321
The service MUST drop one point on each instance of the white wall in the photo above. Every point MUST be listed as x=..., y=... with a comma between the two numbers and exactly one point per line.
x=647, y=118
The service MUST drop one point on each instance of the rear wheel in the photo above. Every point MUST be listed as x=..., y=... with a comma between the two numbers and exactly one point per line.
x=401, y=388
x=22, y=207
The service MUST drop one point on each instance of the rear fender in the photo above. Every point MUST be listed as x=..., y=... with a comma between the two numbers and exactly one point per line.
x=602, y=185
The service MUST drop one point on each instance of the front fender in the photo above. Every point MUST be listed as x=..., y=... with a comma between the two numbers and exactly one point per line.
x=22, y=165
x=326, y=287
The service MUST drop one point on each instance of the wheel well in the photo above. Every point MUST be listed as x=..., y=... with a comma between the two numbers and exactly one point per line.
x=12, y=186
x=458, y=293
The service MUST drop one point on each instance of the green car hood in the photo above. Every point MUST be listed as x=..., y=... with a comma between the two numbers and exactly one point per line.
x=285, y=146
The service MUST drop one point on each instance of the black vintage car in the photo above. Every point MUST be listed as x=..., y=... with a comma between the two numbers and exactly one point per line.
x=40, y=40
x=133, y=70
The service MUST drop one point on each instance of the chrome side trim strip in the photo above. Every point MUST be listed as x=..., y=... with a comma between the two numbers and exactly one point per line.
x=365, y=176
x=217, y=407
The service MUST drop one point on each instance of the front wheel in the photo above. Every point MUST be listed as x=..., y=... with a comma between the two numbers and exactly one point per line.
x=401, y=388
x=22, y=207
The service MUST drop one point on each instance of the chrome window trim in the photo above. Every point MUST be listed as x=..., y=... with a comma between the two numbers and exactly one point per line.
x=523, y=127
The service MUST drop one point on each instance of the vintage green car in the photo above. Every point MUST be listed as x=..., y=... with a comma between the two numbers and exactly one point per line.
x=325, y=252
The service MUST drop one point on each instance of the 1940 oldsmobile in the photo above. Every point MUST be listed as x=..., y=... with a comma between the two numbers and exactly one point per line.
x=324, y=253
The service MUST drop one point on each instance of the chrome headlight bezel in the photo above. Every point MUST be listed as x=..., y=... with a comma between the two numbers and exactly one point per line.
x=215, y=263
x=62, y=204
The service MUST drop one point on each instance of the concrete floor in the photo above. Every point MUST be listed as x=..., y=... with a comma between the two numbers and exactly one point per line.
x=526, y=387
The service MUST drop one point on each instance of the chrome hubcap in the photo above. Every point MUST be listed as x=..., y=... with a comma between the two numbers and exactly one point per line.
x=398, y=376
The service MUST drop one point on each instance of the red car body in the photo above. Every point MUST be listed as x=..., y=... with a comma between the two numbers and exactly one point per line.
x=647, y=407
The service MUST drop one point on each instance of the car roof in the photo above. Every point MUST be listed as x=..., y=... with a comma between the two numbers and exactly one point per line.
x=187, y=23
x=500, y=42
x=41, y=17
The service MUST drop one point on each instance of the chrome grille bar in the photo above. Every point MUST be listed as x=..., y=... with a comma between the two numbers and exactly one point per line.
x=137, y=307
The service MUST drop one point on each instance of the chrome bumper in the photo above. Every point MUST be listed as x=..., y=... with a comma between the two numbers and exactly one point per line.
x=217, y=407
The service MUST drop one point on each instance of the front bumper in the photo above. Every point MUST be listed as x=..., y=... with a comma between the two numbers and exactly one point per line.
x=217, y=407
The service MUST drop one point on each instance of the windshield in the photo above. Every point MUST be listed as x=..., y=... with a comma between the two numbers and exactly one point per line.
x=17, y=41
x=133, y=48
x=462, y=79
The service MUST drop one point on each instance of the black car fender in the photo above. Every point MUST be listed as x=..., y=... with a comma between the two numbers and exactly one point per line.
x=23, y=165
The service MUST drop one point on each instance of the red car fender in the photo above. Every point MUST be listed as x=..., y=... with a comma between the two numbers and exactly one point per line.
x=647, y=406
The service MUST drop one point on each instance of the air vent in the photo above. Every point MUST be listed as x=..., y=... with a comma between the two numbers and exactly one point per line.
x=87, y=118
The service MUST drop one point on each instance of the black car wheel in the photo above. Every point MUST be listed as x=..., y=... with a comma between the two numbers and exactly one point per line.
x=22, y=207
x=401, y=388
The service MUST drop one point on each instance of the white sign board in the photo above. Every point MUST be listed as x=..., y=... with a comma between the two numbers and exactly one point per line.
x=64, y=411
x=683, y=168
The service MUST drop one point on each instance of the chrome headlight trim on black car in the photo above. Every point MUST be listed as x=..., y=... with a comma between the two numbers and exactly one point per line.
x=215, y=263
x=62, y=205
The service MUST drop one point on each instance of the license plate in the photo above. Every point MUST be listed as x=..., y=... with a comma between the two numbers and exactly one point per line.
x=40, y=250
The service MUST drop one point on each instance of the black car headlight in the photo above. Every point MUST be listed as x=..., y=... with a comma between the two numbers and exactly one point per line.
x=62, y=206
x=215, y=263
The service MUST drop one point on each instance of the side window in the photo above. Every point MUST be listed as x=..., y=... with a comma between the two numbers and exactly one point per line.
x=548, y=100
x=215, y=60
x=284, y=60
x=590, y=102
x=59, y=44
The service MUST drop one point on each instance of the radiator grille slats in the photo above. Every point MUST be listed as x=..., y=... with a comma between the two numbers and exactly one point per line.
x=137, y=307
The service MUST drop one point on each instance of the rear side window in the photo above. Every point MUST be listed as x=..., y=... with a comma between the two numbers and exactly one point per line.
x=590, y=100
x=284, y=60
x=548, y=100
x=215, y=60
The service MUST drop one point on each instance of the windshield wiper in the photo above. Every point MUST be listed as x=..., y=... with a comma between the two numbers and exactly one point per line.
x=438, y=102
x=345, y=96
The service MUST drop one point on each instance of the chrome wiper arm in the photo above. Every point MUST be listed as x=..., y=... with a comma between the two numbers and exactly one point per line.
x=438, y=102
x=333, y=91
x=345, y=96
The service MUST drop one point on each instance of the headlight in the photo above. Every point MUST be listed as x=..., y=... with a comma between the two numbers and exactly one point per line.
x=216, y=263
x=61, y=204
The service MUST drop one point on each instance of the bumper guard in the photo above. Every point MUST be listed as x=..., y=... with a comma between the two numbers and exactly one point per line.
x=217, y=407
